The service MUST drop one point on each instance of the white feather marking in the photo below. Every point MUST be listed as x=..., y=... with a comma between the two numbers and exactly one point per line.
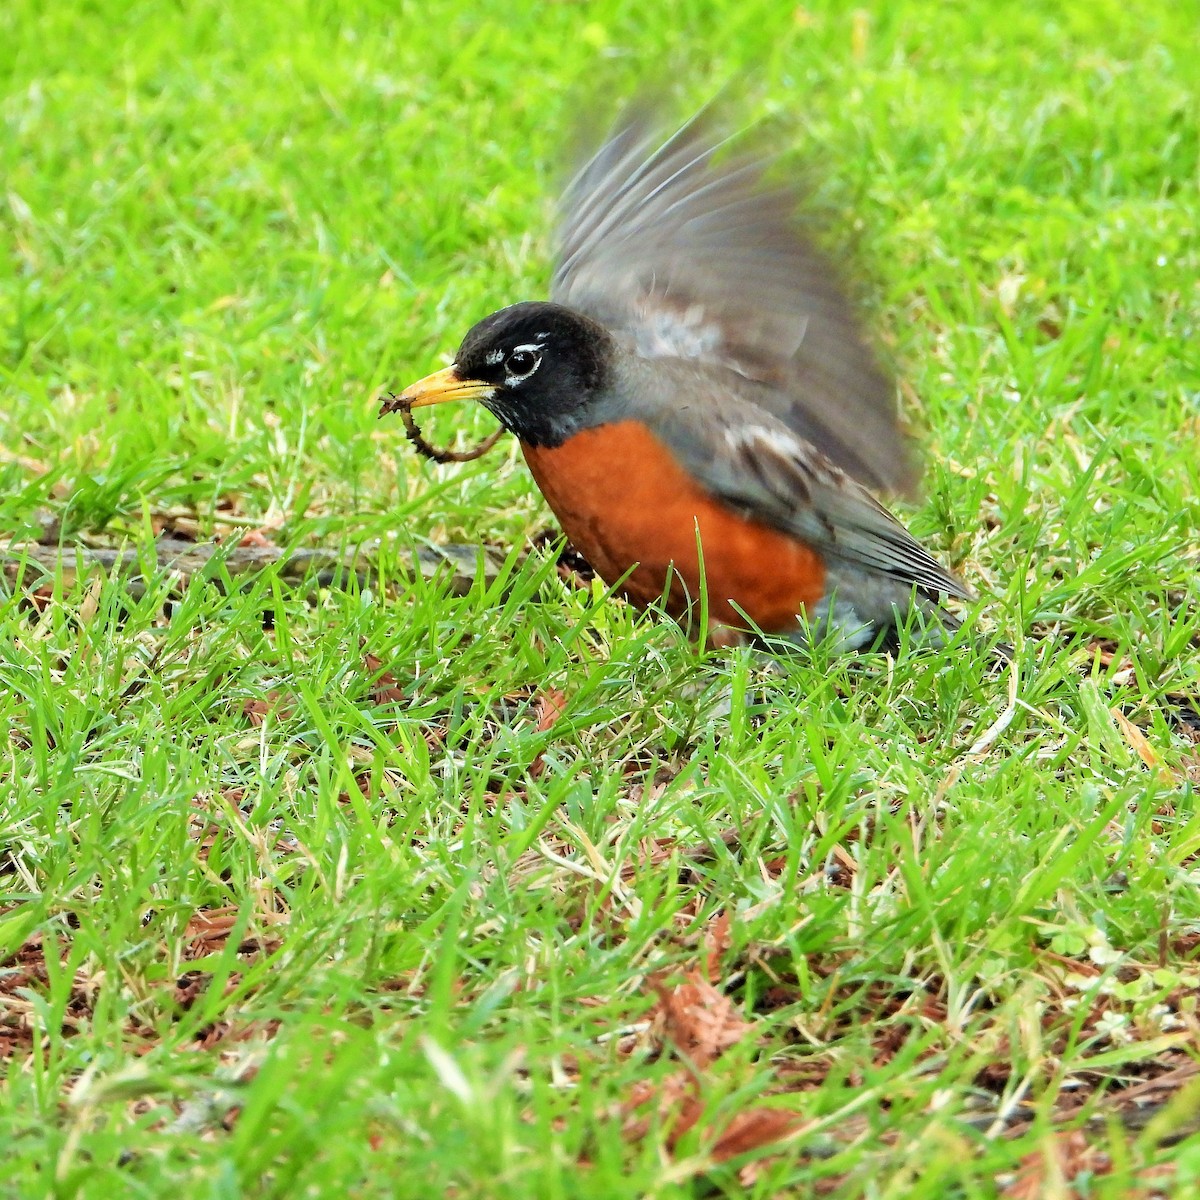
x=666, y=332
x=533, y=349
x=781, y=441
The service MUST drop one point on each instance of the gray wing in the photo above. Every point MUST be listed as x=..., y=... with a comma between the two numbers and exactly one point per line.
x=687, y=256
x=759, y=465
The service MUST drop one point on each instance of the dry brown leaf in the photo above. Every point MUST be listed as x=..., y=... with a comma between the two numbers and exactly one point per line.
x=24, y=969
x=675, y=1097
x=774, y=867
x=208, y=929
x=42, y=597
x=1156, y=1181
x=549, y=706
x=385, y=689
x=256, y=538
x=653, y=852
x=189, y=987
x=717, y=941
x=753, y=1129
x=274, y=704
x=677, y=1100
x=24, y=966
x=1055, y=1164
x=1140, y=744
x=699, y=1021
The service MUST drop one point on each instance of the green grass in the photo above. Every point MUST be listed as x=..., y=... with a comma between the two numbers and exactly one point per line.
x=361, y=948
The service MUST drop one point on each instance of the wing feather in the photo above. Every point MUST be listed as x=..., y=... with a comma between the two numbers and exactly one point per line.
x=687, y=253
x=760, y=466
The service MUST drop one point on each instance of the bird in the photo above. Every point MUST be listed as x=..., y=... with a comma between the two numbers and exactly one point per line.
x=699, y=405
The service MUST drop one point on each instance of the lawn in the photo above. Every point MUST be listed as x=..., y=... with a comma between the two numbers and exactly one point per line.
x=366, y=883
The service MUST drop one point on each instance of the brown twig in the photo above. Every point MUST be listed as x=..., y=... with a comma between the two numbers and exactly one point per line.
x=398, y=404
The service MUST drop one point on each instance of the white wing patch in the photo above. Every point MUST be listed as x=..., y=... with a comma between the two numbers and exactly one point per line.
x=780, y=441
x=666, y=329
x=666, y=332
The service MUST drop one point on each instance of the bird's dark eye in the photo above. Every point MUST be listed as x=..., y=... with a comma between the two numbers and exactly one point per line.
x=521, y=363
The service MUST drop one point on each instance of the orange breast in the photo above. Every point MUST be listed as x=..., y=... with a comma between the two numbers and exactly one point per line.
x=623, y=499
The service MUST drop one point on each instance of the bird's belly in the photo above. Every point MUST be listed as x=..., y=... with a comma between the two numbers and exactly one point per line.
x=624, y=500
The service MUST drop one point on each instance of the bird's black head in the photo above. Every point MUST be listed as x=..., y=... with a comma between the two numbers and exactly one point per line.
x=536, y=366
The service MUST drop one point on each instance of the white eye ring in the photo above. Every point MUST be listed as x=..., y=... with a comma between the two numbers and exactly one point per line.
x=531, y=351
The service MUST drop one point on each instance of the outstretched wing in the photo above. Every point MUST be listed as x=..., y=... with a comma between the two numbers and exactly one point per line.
x=688, y=255
x=759, y=466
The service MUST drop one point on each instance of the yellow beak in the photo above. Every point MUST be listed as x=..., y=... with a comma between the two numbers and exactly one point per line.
x=439, y=388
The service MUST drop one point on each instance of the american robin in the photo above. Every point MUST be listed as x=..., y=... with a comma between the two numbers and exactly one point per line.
x=696, y=401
